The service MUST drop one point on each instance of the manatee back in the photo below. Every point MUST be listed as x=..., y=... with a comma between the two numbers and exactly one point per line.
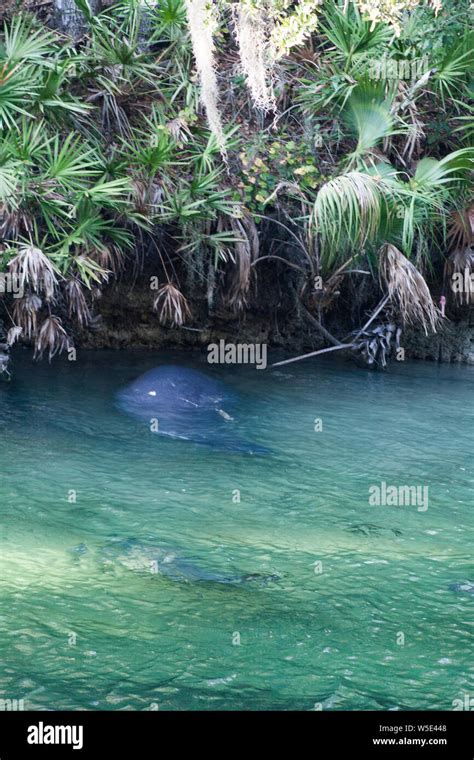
x=173, y=388
x=187, y=404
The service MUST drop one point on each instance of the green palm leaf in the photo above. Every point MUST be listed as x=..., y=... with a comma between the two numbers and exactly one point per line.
x=431, y=174
x=27, y=44
x=370, y=120
x=348, y=213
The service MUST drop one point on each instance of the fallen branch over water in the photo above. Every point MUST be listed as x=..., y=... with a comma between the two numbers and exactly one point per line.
x=377, y=311
x=322, y=330
x=337, y=345
x=340, y=347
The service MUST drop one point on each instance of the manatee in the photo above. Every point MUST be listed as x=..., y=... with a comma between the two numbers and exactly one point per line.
x=169, y=562
x=369, y=529
x=186, y=404
x=465, y=587
x=78, y=552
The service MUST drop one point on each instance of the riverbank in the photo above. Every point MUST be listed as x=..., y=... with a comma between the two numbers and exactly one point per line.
x=128, y=321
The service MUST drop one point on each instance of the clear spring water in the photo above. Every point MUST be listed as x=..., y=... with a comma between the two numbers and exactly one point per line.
x=87, y=623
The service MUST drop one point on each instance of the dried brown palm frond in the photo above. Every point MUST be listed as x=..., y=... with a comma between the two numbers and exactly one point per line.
x=461, y=229
x=147, y=196
x=51, y=337
x=407, y=289
x=12, y=222
x=109, y=257
x=138, y=188
x=96, y=294
x=179, y=130
x=171, y=305
x=13, y=334
x=406, y=107
x=77, y=304
x=458, y=275
x=246, y=250
x=33, y=268
x=415, y=135
x=114, y=117
x=25, y=312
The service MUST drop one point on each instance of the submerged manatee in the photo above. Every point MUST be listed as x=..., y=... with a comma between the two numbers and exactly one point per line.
x=139, y=557
x=466, y=587
x=370, y=529
x=183, y=403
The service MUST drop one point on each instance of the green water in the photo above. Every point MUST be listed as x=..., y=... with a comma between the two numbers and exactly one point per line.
x=362, y=616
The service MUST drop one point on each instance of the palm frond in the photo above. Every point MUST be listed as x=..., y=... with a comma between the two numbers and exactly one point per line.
x=31, y=267
x=245, y=251
x=25, y=313
x=348, y=212
x=458, y=275
x=51, y=337
x=14, y=334
x=171, y=306
x=26, y=43
x=407, y=289
x=452, y=72
x=431, y=174
x=77, y=303
x=370, y=119
x=461, y=228
x=18, y=87
x=350, y=33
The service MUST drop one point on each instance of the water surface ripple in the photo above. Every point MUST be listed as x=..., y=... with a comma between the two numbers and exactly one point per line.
x=115, y=543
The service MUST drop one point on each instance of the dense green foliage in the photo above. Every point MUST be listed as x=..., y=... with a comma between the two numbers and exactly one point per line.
x=106, y=159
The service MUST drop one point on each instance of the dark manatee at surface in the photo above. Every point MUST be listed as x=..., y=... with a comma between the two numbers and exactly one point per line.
x=187, y=404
